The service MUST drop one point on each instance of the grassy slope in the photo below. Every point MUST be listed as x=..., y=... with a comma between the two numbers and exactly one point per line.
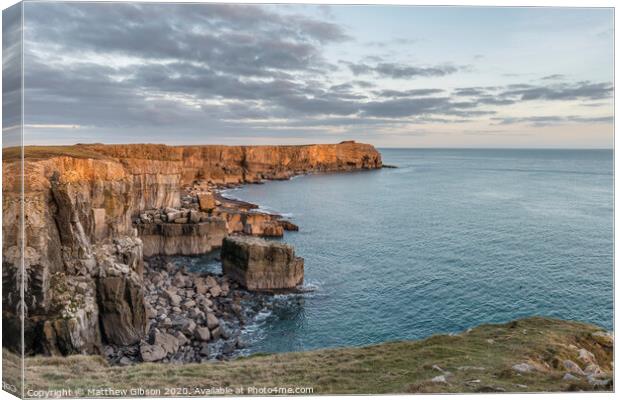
x=398, y=367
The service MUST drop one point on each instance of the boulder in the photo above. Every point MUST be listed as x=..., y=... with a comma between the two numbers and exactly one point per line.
x=605, y=339
x=169, y=343
x=587, y=357
x=212, y=321
x=194, y=216
x=151, y=353
x=206, y=201
x=203, y=334
x=573, y=368
x=524, y=368
x=173, y=214
x=258, y=264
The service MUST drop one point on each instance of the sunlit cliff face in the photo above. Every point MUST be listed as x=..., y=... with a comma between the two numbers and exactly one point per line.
x=248, y=74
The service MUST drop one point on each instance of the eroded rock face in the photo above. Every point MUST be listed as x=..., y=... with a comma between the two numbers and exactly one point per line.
x=182, y=238
x=258, y=264
x=79, y=210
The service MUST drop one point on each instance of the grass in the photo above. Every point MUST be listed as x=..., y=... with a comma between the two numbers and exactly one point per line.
x=45, y=152
x=478, y=360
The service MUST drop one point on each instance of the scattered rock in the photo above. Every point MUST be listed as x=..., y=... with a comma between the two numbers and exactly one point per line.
x=569, y=377
x=523, y=368
x=605, y=339
x=573, y=368
x=586, y=356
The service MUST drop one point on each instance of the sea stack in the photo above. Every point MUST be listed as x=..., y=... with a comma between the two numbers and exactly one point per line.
x=261, y=265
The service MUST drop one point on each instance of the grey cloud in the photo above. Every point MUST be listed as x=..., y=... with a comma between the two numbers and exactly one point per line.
x=552, y=120
x=580, y=90
x=218, y=68
x=552, y=77
x=407, y=93
x=401, y=71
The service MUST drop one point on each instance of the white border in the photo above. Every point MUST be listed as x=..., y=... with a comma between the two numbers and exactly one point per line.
x=484, y=3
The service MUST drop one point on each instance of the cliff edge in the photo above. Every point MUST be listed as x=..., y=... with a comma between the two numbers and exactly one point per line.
x=85, y=239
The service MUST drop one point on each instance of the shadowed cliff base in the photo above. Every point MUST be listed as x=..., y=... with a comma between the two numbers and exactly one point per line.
x=529, y=355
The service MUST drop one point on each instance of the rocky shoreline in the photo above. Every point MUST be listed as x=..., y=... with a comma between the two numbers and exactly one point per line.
x=192, y=316
x=196, y=317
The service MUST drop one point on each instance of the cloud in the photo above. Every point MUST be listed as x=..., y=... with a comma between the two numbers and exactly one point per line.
x=407, y=93
x=217, y=69
x=553, y=120
x=578, y=91
x=552, y=77
x=401, y=71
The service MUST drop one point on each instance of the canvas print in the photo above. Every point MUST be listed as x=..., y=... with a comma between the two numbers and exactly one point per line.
x=295, y=199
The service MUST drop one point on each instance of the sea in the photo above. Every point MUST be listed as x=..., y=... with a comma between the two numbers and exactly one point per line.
x=449, y=240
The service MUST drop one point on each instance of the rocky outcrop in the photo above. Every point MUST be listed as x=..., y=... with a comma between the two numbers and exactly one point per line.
x=258, y=264
x=180, y=232
x=79, y=212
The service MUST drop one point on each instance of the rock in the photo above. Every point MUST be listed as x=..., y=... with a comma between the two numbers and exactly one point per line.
x=288, y=225
x=204, y=350
x=216, y=333
x=182, y=339
x=215, y=291
x=124, y=361
x=586, y=356
x=523, y=368
x=573, y=368
x=194, y=216
x=179, y=280
x=258, y=264
x=188, y=327
x=228, y=347
x=151, y=353
x=173, y=214
x=439, y=379
x=122, y=310
x=593, y=370
x=569, y=377
x=212, y=321
x=605, y=339
x=206, y=201
x=201, y=288
x=175, y=299
x=211, y=281
x=598, y=382
x=182, y=220
x=169, y=343
x=203, y=334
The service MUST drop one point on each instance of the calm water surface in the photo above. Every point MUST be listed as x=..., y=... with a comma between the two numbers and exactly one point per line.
x=449, y=240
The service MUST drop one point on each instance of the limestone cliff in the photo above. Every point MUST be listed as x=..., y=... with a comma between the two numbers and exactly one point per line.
x=83, y=250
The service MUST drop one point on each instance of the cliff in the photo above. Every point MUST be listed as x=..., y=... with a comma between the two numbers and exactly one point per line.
x=85, y=237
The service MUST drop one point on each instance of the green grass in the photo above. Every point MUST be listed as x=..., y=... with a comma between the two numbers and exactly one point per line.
x=478, y=360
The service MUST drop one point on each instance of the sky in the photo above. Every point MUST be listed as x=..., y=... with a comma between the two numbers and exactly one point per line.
x=392, y=76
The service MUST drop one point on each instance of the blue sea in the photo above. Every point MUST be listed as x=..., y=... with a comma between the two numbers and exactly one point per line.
x=447, y=241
